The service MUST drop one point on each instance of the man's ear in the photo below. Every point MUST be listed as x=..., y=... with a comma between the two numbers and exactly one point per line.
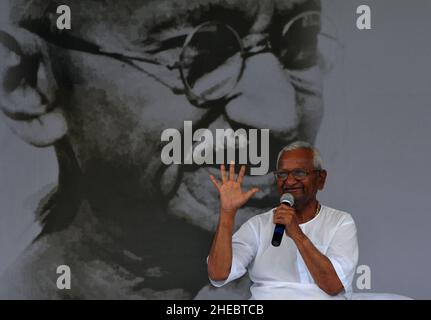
x=28, y=88
x=322, y=179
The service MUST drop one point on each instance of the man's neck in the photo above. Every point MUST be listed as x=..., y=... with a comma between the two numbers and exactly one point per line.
x=137, y=229
x=119, y=222
x=149, y=248
x=307, y=211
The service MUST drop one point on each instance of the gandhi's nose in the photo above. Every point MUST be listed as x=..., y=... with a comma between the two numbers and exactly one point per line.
x=265, y=97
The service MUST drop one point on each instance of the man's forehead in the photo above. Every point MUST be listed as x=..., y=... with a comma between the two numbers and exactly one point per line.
x=159, y=13
x=137, y=17
x=299, y=157
x=142, y=17
x=152, y=12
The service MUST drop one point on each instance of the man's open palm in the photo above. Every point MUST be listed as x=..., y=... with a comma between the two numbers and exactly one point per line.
x=231, y=195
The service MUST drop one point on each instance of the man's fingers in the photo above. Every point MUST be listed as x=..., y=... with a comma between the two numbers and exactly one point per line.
x=231, y=171
x=215, y=182
x=278, y=220
x=223, y=173
x=251, y=192
x=241, y=174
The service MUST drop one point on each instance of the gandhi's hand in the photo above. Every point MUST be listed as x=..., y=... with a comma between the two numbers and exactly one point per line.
x=231, y=195
x=28, y=88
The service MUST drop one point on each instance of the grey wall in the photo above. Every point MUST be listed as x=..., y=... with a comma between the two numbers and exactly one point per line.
x=374, y=141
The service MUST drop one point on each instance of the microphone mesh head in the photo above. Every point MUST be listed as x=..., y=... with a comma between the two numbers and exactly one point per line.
x=287, y=198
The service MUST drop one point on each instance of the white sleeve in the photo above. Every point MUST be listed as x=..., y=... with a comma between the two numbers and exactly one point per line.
x=244, y=248
x=343, y=252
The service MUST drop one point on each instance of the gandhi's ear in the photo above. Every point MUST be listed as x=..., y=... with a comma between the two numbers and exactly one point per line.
x=28, y=89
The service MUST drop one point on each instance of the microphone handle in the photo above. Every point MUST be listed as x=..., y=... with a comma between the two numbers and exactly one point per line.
x=278, y=234
x=279, y=230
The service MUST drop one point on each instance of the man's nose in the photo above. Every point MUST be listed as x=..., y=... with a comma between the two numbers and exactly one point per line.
x=290, y=180
x=266, y=98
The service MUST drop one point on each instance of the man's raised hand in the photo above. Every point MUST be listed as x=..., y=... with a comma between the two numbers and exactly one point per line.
x=231, y=195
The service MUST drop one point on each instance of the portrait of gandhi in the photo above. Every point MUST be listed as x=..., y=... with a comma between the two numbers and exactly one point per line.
x=127, y=225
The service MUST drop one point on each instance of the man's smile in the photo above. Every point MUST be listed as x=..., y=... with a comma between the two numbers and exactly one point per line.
x=293, y=189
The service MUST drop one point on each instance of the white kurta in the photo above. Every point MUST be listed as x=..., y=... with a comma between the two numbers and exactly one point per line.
x=280, y=272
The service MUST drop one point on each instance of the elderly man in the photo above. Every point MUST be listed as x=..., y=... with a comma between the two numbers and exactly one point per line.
x=127, y=225
x=318, y=256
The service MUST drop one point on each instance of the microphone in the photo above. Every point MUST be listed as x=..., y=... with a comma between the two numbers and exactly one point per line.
x=287, y=199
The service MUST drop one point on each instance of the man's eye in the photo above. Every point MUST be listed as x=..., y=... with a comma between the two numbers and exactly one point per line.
x=282, y=175
x=299, y=173
x=299, y=54
x=206, y=52
x=201, y=61
x=169, y=57
x=168, y=44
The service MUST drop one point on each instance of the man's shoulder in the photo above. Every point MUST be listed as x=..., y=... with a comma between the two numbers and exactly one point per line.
x=336, y=216
x=261, y=218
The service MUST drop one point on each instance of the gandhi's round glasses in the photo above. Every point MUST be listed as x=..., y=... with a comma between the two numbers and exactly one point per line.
x=213, y=55
x=298, y=174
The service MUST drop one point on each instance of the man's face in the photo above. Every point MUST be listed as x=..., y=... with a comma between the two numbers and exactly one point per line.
x=303, y=189
x=116, y=113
